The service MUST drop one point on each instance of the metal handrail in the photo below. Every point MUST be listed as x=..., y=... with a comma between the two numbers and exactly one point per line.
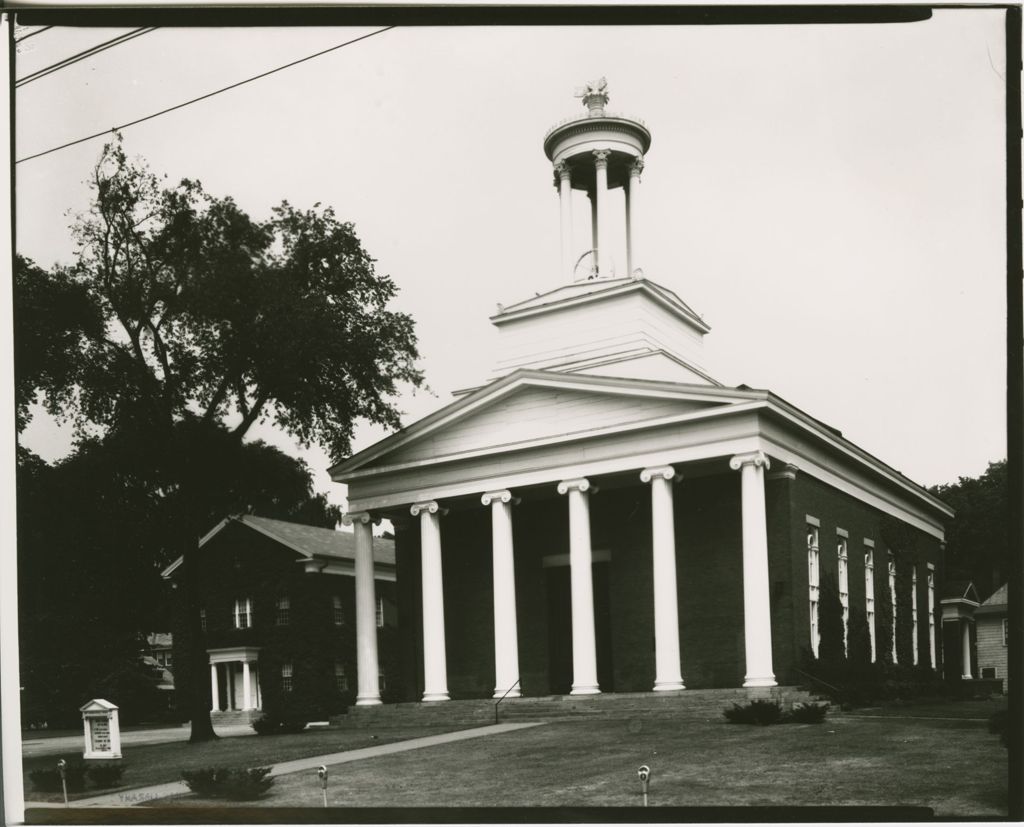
x=513, y=686
x=835, y=689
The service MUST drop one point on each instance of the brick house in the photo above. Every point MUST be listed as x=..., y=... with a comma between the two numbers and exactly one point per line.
x=604, y=515
x=278, y=614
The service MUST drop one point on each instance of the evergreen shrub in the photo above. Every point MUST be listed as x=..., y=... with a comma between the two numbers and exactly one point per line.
x=48, y=781
x=105, y=775
x=235, y=783
x=763, y=713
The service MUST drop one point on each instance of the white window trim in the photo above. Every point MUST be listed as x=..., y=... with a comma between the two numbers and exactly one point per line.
x=913, y=611
x=379, y=612
x=869, y=594
x=814, y=582
x=240, y=604
x=891, y=567
x=843, y=568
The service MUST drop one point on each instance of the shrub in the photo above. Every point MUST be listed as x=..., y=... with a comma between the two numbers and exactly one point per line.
x=49, y=780
x=808, y=713
x=762, y=713
x=998, y=724
x=238, y=784
x=272, y=723
x=105, y=775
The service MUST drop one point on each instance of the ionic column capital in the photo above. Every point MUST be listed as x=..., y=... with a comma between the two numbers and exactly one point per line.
x=430, y=506
x=601, y=158
x=580, y=484
x=364, y=517
x=788, y=472
x=636, y=167
x=665, y=472
x=755, y=458
x=504, y=496
x=562, y=170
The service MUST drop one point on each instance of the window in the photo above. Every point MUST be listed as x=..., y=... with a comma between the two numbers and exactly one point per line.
x=339, y=611
x=913, y=610
x=286, y=677
x=1006, y=631
x=340, y=678
x=869, y=594
x=931, y=612
x=813, y=584
x=243, y=613
x=988, y=672
x=380, y=612
x=202, y=619
x=892, y=601
x=283, y=610
x=844, y=585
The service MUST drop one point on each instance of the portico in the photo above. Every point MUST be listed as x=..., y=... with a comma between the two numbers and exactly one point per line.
x=234, y=679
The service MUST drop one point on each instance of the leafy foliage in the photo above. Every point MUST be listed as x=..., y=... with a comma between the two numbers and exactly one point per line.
x=238, y=784
x=999, y=724
x=830, y=622
x=276, y=723
x=808, y=713
x=49, y=780
x=977, y=544
x=762, y=713
x=106, y=774
x=183, y=322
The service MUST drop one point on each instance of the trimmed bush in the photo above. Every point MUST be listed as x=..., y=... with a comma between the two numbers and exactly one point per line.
x=105, y=775
x=237, y=784
x=998, y=724
x=762, y=713
x=808, y=713
x=48, y=781
x=276, y=724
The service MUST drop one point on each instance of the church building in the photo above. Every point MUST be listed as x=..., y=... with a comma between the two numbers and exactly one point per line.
x=603, y=515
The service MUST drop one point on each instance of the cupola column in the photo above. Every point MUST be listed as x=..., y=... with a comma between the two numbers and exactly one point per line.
x=602, y=244
x=367, y=668
x=214, y=689
x=632, y=198
x=667, y=674
x=757, y=615
x=435, y=664
x=565, y=203
x=965, y=649
x=584, y=646
x=506, y=635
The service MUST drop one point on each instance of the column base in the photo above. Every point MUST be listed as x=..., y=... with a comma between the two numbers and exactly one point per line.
x=429, y=697
x=967, y=677
x=368, y=700
x=586, y=689
x=668, y=686
x=500, y=693
x=750, y=683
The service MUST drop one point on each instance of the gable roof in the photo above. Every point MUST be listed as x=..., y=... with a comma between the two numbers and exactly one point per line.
x=996, y=602
x=960, y=590
x=486, y=395
x=306, y=540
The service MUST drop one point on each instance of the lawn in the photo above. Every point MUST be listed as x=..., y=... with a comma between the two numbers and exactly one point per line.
x=147, y=764
x=952, y=765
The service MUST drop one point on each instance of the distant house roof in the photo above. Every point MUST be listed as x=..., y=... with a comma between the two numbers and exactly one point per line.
x=309, y=541
x=158, y=640
x=996, y=603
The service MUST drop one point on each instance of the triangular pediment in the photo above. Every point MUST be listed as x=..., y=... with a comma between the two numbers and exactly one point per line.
x=537, y=407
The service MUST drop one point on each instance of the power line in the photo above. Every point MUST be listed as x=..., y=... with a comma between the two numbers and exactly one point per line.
x=207, y=95
x=87, y=53
x=32, y=34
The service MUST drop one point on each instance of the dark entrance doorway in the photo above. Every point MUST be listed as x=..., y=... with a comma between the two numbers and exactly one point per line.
x=559, y=595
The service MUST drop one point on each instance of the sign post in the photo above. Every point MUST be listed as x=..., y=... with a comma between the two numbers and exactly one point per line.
x=62, y=768
x=102, y=730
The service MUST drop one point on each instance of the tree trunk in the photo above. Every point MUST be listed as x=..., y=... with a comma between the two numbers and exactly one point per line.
x=198, y=701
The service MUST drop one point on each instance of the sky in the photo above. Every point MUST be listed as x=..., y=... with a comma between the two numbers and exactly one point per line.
x=830, y=198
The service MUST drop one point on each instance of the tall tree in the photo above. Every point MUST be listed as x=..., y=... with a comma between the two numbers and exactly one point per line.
x=977, y=539
x=211, y=322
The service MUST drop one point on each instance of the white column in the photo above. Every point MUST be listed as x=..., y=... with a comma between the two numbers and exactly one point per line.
x=757, y=617
x=506, y=633
x=214, y=689
x=368, y=692
x=584, y=644
x=965, y=652
x=565, y=203
x=246, y=686
x=632, y=199
x=604, y=267
x=593, y=229
x=435, y=664
x=667, y=673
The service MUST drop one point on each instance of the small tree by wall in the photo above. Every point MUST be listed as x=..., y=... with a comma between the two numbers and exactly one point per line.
x=883, y=624
x=830, y=621
x=858, y=641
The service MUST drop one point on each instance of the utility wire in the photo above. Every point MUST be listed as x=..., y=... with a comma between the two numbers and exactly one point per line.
x=207, y=95
x=75, y=58
x=32, y=34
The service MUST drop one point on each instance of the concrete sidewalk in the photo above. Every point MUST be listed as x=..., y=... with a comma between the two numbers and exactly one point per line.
x=139, y=795
x=55, y=745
